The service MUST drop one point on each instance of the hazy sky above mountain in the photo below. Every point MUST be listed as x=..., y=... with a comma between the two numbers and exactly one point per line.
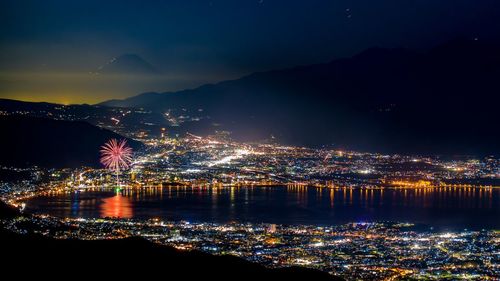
x=48, y=49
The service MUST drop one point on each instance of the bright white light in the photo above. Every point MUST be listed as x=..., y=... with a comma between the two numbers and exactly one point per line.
x=318, y=244
x=228, y=159
x=193, y=171
x=447, y=235
x=365, y=171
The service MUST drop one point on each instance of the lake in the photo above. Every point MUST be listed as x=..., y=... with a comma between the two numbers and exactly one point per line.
x=444, y=208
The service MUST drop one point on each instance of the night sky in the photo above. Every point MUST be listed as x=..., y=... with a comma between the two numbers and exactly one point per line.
x=48, y=48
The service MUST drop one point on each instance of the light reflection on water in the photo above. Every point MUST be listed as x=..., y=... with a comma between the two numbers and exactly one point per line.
x=449, y=206
x=118, y=206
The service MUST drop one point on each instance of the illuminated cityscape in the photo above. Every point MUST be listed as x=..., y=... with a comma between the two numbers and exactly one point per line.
x=357, y=250
x=255, y=140
x=217, y=166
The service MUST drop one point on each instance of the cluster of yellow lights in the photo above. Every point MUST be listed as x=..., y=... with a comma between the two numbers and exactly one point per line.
x=420, y=183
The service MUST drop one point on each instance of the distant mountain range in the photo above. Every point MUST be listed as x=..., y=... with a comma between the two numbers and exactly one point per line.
x=28, y=141
x=388, y=100
x=128, y=64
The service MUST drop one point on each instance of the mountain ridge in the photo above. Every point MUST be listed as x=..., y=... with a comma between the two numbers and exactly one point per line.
x=50, y=143
x=388, y=100
x=136, y=98
x=128, y=64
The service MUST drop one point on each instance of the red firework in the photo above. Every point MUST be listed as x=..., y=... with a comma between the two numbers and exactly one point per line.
x=116, y=155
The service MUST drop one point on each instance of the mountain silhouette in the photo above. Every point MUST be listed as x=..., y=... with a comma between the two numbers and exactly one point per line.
x=386, y=100
x=28, y=141
x=127, y=64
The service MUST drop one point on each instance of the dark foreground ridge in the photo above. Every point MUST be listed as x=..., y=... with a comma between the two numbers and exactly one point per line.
x=131, y=257
x=51, y=143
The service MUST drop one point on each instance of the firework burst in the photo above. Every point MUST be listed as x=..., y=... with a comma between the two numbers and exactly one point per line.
x=116, y=156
